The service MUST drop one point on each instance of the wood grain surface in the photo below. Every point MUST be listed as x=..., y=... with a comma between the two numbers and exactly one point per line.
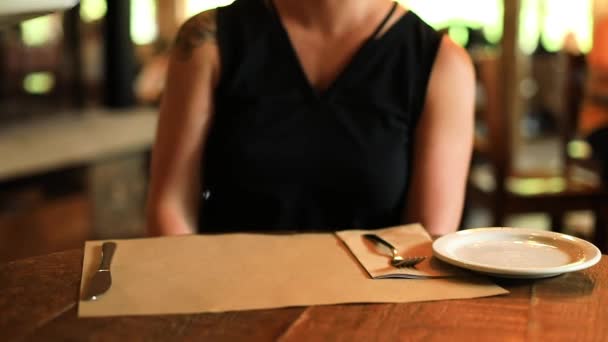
x=38, y=298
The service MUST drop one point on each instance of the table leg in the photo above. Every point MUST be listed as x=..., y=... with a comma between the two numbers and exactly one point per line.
x=117, y=188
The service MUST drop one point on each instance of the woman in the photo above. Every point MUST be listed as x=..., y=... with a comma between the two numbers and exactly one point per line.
x=311, y=115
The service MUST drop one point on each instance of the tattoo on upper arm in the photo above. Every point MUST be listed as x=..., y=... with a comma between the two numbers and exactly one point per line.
x=197, y=30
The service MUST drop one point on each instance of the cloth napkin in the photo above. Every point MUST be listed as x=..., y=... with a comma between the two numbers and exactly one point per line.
x=228, y=272
x=410, y=240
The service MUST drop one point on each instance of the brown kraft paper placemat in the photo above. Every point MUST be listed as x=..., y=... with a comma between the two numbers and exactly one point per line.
x=215, y=273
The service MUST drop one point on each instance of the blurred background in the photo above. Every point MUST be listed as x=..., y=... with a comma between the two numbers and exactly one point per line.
x=79, y=92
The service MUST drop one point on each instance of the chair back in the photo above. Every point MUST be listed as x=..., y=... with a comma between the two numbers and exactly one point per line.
x=492, y=138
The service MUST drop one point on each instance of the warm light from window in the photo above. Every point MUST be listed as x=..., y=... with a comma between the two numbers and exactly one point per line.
x=38, y=31
x=479, y=14
x=39, y=83
x=144, y=29
x=560, y=18
x=564, y=17
x=529, y=29
x=534, y=186
x=459, y=34
x=579, y=149
x=92, y=10
x=196, y=6
x=550, y=21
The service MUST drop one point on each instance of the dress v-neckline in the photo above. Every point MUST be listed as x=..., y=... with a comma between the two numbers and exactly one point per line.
x=345, y=71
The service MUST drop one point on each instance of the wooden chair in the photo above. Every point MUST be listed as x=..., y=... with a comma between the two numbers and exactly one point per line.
x=497, y=184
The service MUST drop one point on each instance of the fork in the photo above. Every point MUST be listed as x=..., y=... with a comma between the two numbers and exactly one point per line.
x=396, y=260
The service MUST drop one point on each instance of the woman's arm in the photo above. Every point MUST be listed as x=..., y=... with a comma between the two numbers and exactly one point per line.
x=443, y=143
x=185, y=117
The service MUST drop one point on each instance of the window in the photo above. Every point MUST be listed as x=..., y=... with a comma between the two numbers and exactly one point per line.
x=41, y=30
x=486, y=15
x=39, y=83
x=144, y=27
x=92, y=10
x=196, y=6
x=547, y=21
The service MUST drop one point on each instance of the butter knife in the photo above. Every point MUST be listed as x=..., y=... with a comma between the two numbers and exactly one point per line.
x=102, y=279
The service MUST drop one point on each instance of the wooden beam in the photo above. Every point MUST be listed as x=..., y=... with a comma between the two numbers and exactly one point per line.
x=169, y=17
x=510, y=70
x=119, y=55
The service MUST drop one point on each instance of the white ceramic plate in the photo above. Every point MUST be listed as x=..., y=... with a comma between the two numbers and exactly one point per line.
x=516, y=252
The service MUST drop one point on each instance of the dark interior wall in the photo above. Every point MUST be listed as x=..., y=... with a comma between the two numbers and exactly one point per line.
x=119, y=55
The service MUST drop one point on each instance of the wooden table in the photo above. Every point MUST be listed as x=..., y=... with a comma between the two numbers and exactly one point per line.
x=38, y=302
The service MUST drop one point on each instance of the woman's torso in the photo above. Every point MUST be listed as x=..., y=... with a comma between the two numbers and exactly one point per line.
x=282, y=156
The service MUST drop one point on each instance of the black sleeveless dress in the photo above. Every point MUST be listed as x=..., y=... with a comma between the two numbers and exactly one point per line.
x=282, y=157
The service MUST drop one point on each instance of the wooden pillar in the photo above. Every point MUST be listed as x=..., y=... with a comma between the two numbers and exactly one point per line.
x=600, y=8
x=3, y=70
x=72, y=51
x=168, y=17
x=119, y=55
x=511, y=74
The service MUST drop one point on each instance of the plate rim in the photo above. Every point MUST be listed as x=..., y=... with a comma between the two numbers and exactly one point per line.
x=437, y=247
